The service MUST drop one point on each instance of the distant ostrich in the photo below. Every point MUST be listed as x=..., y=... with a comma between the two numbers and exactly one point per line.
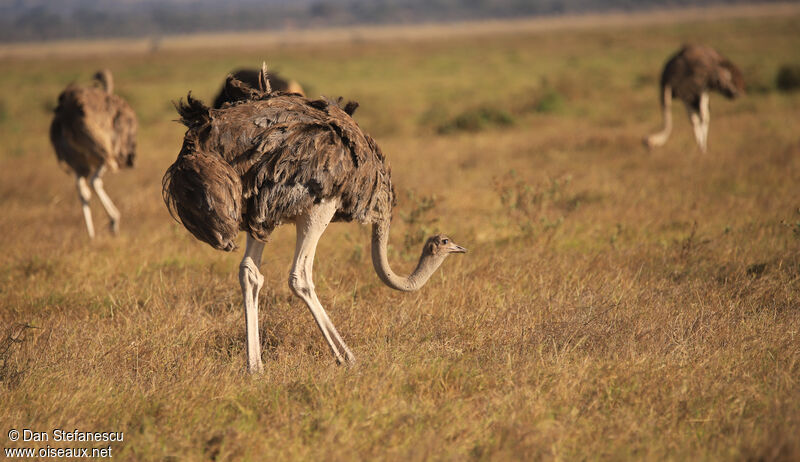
x=270, y=158
x=94, y=130
x=250, y=77
x=688, y=76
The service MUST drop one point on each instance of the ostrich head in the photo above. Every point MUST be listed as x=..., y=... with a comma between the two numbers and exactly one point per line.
x=729, y=80
x=438, y=247
x=130, y=152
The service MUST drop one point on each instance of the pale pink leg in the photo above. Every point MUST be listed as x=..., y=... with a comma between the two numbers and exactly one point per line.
x=84, y=194
x=310, y=227
x=251, y=281
x=111, y=210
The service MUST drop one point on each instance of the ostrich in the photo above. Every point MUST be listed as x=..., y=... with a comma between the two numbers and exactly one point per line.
x=94, y=130
x=689, y=75
x=269, y=158
x=250, y=77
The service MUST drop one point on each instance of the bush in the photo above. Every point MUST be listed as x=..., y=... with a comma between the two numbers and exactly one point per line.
x=535, y=208
x=551, y=101
x=788, y=78
x=477, y=119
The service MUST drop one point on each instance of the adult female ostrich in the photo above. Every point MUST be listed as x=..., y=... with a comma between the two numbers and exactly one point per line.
x=689, y=76
x=270, y=158
x=250, y=77
x=94, y=130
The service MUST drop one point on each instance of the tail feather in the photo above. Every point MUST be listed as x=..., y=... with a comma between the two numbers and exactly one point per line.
x=263, y=80
x=193, y=112
x=204, y=193
x=237, y=90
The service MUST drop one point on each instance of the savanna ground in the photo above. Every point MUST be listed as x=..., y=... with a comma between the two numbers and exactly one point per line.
x=614, y=304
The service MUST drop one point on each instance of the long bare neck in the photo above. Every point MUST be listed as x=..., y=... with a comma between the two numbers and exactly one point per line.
x=106, y=81
x=658, y=139
x=380, y=241
x=666, y=106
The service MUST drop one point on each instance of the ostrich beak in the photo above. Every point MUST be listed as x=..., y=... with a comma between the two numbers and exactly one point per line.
x=455, y=248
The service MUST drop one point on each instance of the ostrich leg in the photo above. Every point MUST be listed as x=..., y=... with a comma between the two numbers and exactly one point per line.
x=251, y=281
x=697, y=125
x=113, y=213
x=310, y=227
x=84, y=194
x=705, y=118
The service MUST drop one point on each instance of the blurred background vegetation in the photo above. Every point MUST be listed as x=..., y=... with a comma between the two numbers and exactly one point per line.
x=29, y=20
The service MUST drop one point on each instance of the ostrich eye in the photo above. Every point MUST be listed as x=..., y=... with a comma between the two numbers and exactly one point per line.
x=444, y=241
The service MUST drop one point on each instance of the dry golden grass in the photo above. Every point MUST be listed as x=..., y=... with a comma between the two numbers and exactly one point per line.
x=615, y=303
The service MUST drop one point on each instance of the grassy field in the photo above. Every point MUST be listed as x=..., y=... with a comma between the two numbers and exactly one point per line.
x=615, y=303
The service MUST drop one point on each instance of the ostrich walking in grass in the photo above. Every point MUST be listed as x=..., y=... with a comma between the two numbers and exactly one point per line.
x=250, y=77
x=94, y=130
x=689, y=76
x=270, y=158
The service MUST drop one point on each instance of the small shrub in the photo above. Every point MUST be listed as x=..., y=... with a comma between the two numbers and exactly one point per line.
x=418, y=221
x=788, y=78
x=794, y=226
x=545, y=99
x=10, y=372
x=550, y=102
x=477, y=119
x=536, y=208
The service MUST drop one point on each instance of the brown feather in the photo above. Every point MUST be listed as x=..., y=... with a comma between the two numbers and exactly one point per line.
x=287, y=152
x=91, y=128
x=695, y=69
x=246, y=81
x=206, y=197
